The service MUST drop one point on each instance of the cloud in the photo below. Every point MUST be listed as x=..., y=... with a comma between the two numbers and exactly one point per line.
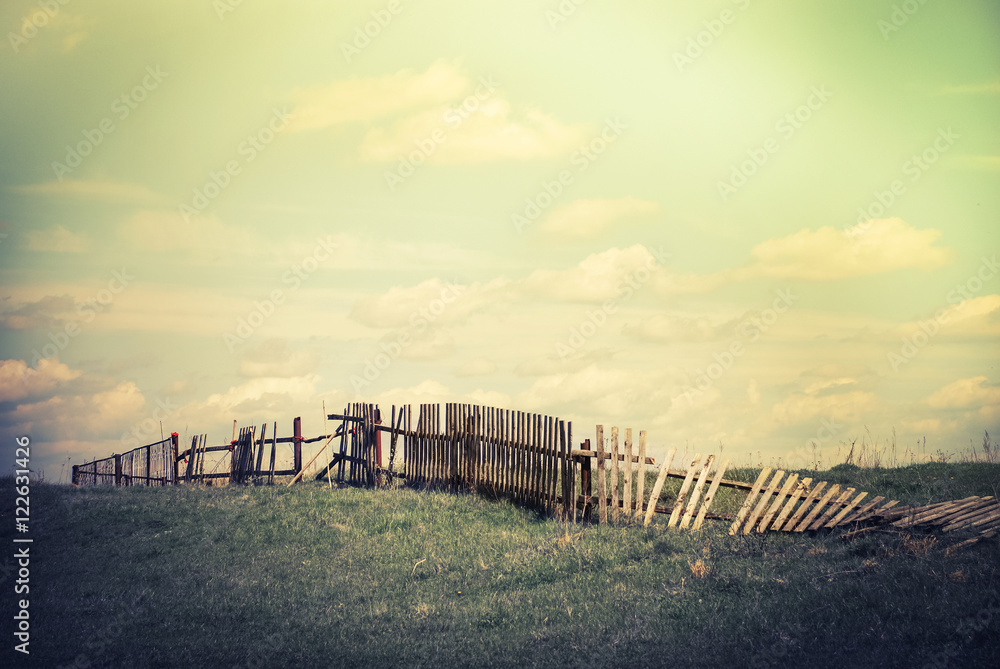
x=972, y=393
x=417, y=307
x=368, y=99
x=800, y=407
x=441, y=113
x=273, y=358
x=262, y=393
x=56, y=240
x=676, y=326
x=476, y=367
x=50, y=311
x=873, y=247
x=493, y=132
x=598, y=277
x=18, y=381
x=107, y=191
x=590, y=218
x=207, y=238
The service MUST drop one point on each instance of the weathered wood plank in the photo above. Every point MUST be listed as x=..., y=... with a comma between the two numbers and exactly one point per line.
x=862, y=511
x=818, y=508
x=615, y=482
x=778, y=500
x=627, y=481
x=847, y=509
x=696, y=494
x=751, y=499
x=832, y=509
x=602, y=483
x=682, y=493
x=641, y=473
x=764, y=499
x=710, y=495
x=654, y=496
x=803, y=508
x=794, y=498
x=971, y=511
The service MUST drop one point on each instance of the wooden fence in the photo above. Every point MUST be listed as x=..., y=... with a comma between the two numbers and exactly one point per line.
x=146, y=465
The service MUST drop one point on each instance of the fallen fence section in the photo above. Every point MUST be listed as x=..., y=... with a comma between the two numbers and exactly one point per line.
x=777, y=503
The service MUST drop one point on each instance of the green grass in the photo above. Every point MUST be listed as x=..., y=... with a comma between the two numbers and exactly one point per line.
x=275, y=577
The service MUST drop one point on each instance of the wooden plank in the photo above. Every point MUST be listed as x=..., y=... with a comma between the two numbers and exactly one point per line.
x=778, y=499
x=571, y=470
x=299, y=474
x=615, y=482
x=764, y=499
x=801, y=527
x=696, y=495
x=751, y=498
x=274, y=453
x=710, y=495
x=627, y=482
x=682, y=494
x=863, y=510
x=793, y=499
x=640, y=490
x=602, y=482
x=945, y=511
x=654, y=496
x=803, y=508
x=969, y=511
x=847, y=509
x=987, y=515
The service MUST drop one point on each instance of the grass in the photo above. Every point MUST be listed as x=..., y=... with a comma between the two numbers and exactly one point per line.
x=275, y=577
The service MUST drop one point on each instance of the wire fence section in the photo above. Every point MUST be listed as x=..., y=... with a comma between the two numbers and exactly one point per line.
x=148, y=465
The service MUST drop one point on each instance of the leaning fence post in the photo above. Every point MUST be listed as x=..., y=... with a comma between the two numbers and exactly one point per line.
x=297, y=441
x=76, y=475
x=118, y=470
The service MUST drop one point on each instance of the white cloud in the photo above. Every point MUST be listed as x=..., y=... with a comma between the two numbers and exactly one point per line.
x=598, y=277
x=274, y=358
x=872, y=247
x=972, y=393
x=18, y=381
x=847, y=407
x=56, y=240
x=590, y=218
x=368, y=99
x=261, y=393
x=476, y=367
x=493, y=132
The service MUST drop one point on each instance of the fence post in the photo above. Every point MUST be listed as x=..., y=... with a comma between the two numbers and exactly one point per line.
x=76, y=475
x=149, y=472
x=378, y=447
x=174, y=447
x=585, y=485
x=118, y=470
x=297, y=448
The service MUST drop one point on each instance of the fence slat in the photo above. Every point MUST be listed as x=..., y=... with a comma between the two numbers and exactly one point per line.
x=640, y=490
x=748, y=504
x=693, y=503
x=679, y=502
x=654, y=496
x=710, y=495
x=602, y=483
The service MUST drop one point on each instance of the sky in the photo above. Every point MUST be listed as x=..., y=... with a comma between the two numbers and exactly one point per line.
x=764, y=230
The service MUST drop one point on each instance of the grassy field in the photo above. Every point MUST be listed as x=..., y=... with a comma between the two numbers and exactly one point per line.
x=308, y=576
